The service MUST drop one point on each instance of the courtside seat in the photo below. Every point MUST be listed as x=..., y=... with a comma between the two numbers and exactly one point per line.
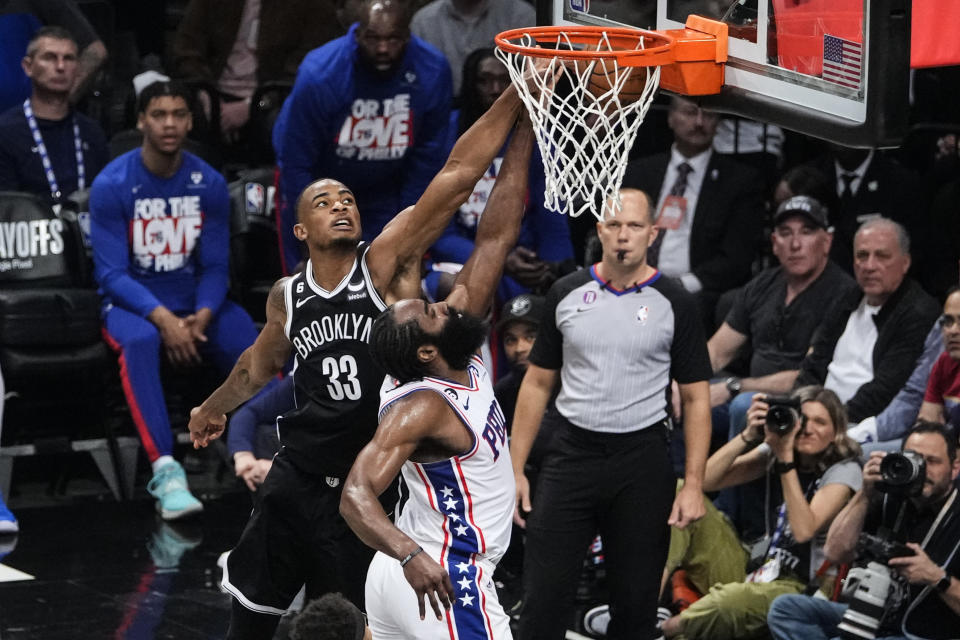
x=53, y=360
x=254, y=251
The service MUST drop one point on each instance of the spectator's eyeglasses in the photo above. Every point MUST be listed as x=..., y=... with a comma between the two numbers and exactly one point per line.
x=947, y=321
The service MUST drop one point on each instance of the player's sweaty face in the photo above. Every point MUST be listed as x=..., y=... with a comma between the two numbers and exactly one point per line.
x=328, y=211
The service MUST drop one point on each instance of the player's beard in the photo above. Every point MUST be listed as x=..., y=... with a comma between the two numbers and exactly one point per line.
x=461, y=336
x=343, y=244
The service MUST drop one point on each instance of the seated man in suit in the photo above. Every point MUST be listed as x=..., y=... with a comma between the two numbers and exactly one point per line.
x=870, y=185
x=709, y=208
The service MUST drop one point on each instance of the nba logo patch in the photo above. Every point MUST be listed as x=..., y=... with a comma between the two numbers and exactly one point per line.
x=642, y=314
x=255, y=200
x=589, y=297
x=582, y=6
x=196, y=177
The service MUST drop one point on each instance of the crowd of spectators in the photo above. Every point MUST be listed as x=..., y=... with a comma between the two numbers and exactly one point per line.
x=827, y=275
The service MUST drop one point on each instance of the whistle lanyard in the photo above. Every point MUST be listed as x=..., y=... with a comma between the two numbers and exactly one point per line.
x=45, y=157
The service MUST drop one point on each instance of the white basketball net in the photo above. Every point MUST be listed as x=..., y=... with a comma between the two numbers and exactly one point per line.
x=584, y=138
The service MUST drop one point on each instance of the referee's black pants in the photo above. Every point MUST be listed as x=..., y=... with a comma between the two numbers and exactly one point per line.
x=621, y=485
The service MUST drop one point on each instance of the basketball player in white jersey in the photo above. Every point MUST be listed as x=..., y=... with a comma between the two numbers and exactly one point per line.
x=442, y=428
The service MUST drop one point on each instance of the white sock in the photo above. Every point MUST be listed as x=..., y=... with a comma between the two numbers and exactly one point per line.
x=160, y=462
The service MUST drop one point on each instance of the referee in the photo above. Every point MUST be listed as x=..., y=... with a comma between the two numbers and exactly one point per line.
x=616, y=335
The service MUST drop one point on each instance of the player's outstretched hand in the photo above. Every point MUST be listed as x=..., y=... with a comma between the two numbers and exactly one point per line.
x=429, y=580
x=204, y=428
x=687, y=508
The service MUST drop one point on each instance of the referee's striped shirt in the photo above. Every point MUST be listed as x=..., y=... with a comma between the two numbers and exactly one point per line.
x=618, y=350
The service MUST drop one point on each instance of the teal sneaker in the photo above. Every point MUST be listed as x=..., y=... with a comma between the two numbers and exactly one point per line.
x=170, y=541
x=8, y=524
x=169, y=487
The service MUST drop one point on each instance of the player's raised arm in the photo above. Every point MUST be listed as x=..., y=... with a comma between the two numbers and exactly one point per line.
x=498, y=229
x=409, y=421
x=257, y=365
x=406, y=238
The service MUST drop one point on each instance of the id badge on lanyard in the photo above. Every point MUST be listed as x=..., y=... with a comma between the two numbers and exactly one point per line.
x=672, y=212
x=770, y=569
x=55, y=192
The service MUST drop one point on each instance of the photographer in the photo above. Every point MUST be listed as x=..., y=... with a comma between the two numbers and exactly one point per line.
x=924, y=514
x=799, y=445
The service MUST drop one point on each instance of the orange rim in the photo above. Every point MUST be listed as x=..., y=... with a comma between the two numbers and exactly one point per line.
x=659, y=54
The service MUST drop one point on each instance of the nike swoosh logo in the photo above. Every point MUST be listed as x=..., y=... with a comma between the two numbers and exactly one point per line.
x=466, y=405
x=356, y=287
x=300, y=303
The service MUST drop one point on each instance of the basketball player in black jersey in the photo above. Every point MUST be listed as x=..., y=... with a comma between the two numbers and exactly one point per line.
x=323, y=315
x=415, y=340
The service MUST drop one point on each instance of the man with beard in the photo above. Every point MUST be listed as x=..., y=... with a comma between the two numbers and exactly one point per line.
x=324, y=314
x=928, y=522
x=369, y=109
x=442, y=429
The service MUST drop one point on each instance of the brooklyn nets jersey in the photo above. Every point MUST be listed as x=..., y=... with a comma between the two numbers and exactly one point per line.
x=336, y=382
x=460, y=509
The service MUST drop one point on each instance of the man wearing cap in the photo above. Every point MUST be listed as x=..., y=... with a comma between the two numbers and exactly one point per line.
x=776, y=314
x=517, y=326
x=778, y=311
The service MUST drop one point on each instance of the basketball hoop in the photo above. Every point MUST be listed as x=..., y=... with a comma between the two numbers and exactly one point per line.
x=612, y=73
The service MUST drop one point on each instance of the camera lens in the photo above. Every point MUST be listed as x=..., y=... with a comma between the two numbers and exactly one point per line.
x=898, y=469
x=780, y=419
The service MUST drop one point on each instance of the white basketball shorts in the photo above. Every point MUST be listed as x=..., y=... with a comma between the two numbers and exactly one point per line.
x=392, y=610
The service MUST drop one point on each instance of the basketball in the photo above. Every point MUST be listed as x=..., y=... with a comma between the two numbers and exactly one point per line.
x=600, y=81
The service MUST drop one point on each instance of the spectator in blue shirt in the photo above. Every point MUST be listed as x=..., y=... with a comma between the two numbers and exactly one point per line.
x=160, y=233
x=252, y=437
x=368, y=109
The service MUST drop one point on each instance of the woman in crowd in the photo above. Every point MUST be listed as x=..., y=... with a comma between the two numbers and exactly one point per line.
x=811, y=472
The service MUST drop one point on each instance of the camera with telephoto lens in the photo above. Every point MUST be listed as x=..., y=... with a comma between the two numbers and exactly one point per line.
x=903, y=473
x=874, y=591
x=783, y=413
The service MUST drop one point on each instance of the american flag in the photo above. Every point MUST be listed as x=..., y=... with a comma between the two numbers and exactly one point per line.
x=842, y=61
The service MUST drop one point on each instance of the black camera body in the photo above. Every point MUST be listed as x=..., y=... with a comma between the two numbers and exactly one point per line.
x=903, y=473
x=783, y=413
x=881, y=548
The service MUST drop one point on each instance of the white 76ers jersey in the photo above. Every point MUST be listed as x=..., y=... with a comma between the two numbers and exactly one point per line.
x=460, y=509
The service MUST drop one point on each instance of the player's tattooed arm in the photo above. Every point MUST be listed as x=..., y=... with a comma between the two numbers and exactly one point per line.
x=255, y=367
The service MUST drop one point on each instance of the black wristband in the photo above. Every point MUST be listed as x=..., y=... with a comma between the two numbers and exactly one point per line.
x=410, y=557
x=943, y=584
x=784, y=467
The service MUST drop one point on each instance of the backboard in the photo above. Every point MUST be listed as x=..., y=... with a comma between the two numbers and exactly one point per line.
x=833, y=69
